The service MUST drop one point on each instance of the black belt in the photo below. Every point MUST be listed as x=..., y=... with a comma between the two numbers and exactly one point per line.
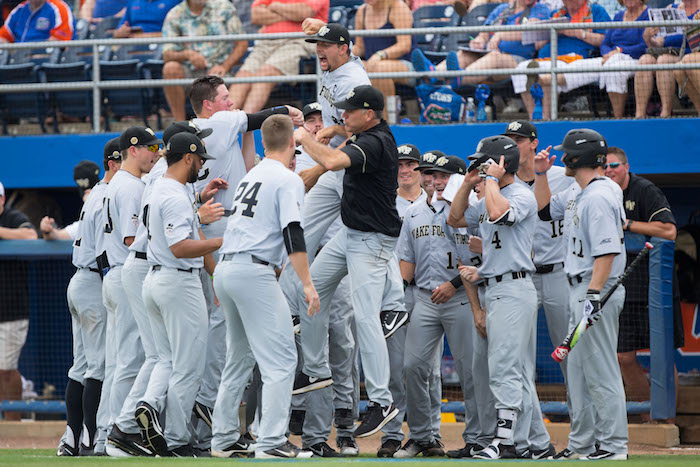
x=141, y=255
x=515, y=275
x=95, y=270
x=573, y=280
x=255, y=259
x=158, y=267
x=546, y=268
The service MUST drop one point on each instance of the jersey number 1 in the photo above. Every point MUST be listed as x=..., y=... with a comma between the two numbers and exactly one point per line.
x=250, y=198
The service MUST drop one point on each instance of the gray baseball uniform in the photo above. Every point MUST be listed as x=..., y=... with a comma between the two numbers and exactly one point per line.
x=149, y=386
x=597, y=217
x=430, y=244
x=122, y=209
x=511, y=299
x=172, y=293
x=258, y=320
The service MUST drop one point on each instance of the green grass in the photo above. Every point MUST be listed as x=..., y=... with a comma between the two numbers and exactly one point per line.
x=48, y=457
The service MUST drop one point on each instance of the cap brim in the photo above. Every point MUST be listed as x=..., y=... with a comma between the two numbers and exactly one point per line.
x=559, y=147
x=345, y=105
x=314, y=39
x=424, y=166
x=440, y=169
x=409, y=158
x=152, y=141
x=206, y=156
x=204, y=132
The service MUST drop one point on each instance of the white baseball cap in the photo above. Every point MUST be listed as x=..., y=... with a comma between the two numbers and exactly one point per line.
x=2, y=190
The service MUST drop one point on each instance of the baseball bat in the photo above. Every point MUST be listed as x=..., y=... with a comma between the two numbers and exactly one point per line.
x=560, y=353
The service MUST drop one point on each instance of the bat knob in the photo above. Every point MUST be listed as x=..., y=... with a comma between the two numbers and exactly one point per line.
x=560, y=354
x=649, y=245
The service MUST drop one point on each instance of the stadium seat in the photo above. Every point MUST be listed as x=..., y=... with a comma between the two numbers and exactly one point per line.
x=434, y=16
x=433, y=13
x=124, y=102
x=478, y=15
x=37, y=56
x=352, y=12
x=81, y=29
x=16, y=105
x=76, y=104
x=142, y=52
x=104, y=28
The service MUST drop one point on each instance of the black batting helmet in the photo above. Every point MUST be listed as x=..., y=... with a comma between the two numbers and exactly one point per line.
x=493, y=147
x=583, y=148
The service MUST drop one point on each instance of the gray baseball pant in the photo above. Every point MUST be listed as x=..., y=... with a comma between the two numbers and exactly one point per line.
x=178, y=314
x=89, y=321
x=104, y=415
x=593, y=367
x=258, y=328
x=485, y=402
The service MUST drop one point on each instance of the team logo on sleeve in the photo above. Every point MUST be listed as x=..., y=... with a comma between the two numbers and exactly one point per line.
x=169, y=229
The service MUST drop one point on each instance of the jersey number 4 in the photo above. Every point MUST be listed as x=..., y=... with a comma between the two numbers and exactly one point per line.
x=250, y=198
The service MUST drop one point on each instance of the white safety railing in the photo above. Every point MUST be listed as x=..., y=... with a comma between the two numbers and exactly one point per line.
x=96, y=85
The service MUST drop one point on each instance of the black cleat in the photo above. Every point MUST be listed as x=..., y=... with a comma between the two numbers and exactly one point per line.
x=412, y=448
x=388, y=448
x=601, y=454
x=548, y=453
x=347, y=446
x=285, y=451
x=296, y=323
x=496, y=450
x=296, y=422
x=392, y=321
x=305, y=383
x=343, y=419
x=469, y=450
x=151, y=431
x=374, y=419
x=66, y=451
x=323, y=450
x=182, y=451
x=120, y=444
x=238, y=449
x=567, y=454
x=204, y=413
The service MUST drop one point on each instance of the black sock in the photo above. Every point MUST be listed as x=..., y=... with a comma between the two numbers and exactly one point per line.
x=91, y=401
x=74, y=409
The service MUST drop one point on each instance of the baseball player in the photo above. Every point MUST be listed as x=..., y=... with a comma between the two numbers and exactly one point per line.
x=88, y=320
x=139, y=146
x=172, y=290
x=593, y=217
x=362, y=249
x=266, y=220
x=426, y=242
x=313, y=122
x=506, y=219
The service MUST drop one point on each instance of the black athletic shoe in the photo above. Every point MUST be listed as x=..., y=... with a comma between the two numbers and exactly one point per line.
x=601, y=454
x=412, y=448
x=248, y=438
x=347, y=446
x=389, y=447
x=567, y=454
x=495, y=450
x=469, y=450
x=392, y=321
x=151, y=431
x=323, y=450
x=120, y=444
x=548, y=453
x=199, y=452
x=296, y=323
x=296, y=422
x=305, y=383
x=343, y=419
x=285, y=451
x=66, y=451
x=374, y=419
x=182, y=451
x=204, y=413
x=85, y=451
x=238, y=449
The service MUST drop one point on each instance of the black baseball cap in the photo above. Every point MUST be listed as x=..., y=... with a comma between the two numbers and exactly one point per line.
x=112, y=150
x=188, y=143
x=450, y=165
x=138, y=136
x=409, y=152
x=86, y=174
x=332, y=33
x=363, y=97
x=189, y=127
x=427, y=160
x=521, y=128
x=311, y=108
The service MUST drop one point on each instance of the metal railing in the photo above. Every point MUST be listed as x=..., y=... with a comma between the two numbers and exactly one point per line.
x=97, y=85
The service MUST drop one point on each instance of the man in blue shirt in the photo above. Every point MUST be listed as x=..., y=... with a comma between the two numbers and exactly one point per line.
x=144, y=18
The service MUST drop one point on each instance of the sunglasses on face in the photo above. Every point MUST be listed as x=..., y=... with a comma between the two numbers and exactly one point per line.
x=612, y=165
x=153, y=148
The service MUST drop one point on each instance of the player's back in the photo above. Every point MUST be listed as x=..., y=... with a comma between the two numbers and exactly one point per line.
x=121, y=214
x=89, y=228
x=266, y=200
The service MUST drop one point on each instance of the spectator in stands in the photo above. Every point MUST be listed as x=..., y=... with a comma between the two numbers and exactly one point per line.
x=14, y=304
x=461, y=6
x=95, y=10
x=386, y=53
x=689, y=80
x=506, y=48
x=573, y=45
x=648, y=213
x=194, y=60
x=275, y=57
x=662, y=50
x=144, y=18
x=243, y=9
x=38, y=20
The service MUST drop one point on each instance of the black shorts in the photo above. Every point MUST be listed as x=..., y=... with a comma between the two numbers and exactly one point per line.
x=634, y=326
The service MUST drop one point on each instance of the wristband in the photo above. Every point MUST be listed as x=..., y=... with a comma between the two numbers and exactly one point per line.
x=198, y=198
x=456, y=282
x=540, y=173
x=492, y=178
x=629, y=224
x=593, y=292
x=199, y=219
x=382, y=54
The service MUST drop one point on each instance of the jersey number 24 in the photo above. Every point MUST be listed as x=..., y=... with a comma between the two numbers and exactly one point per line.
x=249, y=198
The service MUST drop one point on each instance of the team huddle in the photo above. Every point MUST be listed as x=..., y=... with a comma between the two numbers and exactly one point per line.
x=205, y=280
